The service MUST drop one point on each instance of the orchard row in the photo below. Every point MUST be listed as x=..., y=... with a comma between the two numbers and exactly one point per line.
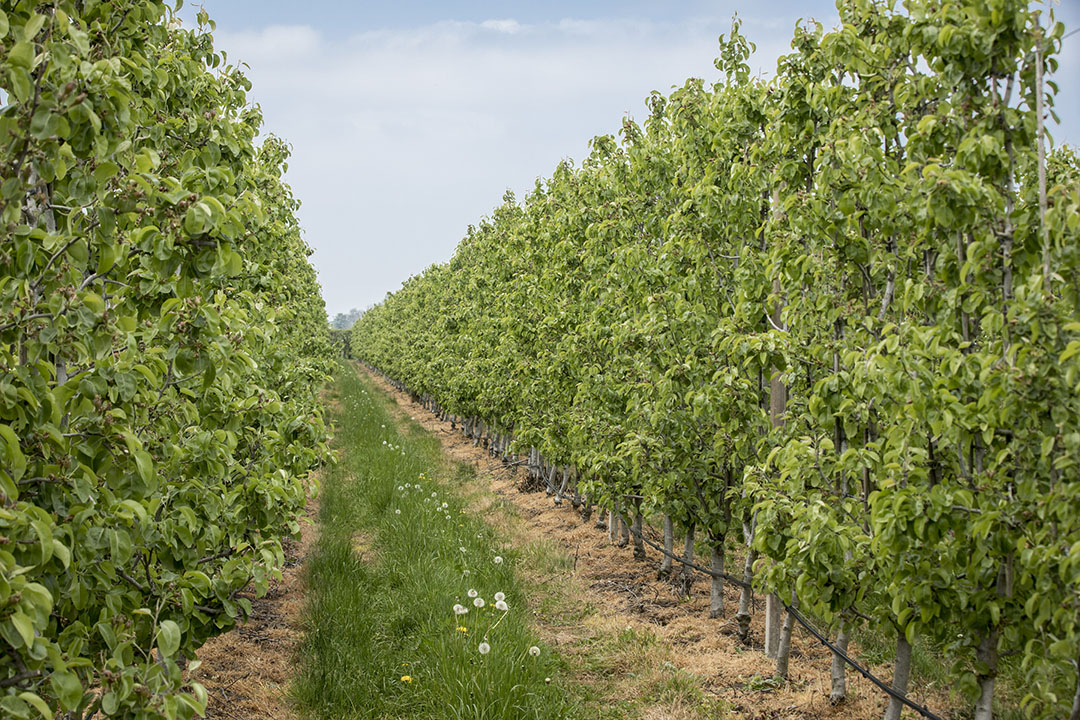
x=832, y=316
x=162, y=341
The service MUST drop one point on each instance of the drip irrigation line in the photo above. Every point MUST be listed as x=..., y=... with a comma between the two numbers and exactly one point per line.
x=881, y=684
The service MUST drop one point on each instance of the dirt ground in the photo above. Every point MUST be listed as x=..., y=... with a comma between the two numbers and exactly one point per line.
x=629, y=594
x=247, y=670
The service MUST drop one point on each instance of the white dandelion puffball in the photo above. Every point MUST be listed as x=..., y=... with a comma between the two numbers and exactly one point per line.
x=434, y=494
x=407, y=486
x=500, y=596
x=445, y=505
x=398, y=511
x=383, y=442
x=478, y=602
x=501, y=605
x=484, y=648
x=460, y=609
x=534, y=651
x=383, y=426
x=473, y=593
x=400, y=488
x=498, y=559
x=448, y=517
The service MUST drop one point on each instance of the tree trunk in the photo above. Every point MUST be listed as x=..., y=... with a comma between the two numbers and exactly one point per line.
x=716, y=592
x=901, y=674
x=669, y=549
x=612, y=525
x=746, y=593
x=624, y=529
x=772, y=625
x=562, y=487
x=586, y=508
x=783, y=651
x=987, y=655
x=839, y=668
x=637, y=534
x=687, y=577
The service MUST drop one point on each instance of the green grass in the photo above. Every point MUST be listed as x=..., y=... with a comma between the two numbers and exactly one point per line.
x=386, y=571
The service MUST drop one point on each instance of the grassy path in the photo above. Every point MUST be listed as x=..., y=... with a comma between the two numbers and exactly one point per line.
x=396, y=552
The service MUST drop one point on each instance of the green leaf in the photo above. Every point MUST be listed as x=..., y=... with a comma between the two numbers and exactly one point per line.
x=16, y=460
x=40, y=705
x=144, y=465
x=21, y=55
x=67, y=688
x=168, y=638
x=24, y=626
x=33, y=27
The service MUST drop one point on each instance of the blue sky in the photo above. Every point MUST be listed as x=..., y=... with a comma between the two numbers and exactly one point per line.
x=409, y=120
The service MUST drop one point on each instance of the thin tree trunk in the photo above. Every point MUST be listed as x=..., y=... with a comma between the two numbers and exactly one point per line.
x=562, y=487
x=624, y=529
x=586, y=508
x=783, y=651
x=636, y=535
x=687, y=577
x=716, y=591
x=746, y=592
x=987, y=655
x=669, y=549
x=612, y=525
x=772, y=624
x=901, y=674
x=839, y=668
x=1044, y=230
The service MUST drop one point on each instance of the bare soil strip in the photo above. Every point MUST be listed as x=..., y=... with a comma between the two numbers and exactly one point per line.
x=247, y=671
x=628, y=594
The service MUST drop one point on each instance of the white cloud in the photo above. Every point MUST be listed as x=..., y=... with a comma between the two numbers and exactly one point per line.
x=510, y=27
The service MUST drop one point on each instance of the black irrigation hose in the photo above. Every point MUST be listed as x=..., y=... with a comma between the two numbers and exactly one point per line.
x=881, y=684
x=885, y=687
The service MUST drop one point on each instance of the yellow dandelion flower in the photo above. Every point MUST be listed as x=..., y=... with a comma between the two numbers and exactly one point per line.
x=406, y=678
x=462, y=629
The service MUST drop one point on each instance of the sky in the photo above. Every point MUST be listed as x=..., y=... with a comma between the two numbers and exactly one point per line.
x=409, y=120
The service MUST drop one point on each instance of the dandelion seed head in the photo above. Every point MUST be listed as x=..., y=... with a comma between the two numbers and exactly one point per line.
x=445, y=505
x=498, y=559
x=473, y=593
x=484, y=648
x=501, y=605
x=534, y=651
x=397, y=511
x=500, y=596
x=478, y=602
